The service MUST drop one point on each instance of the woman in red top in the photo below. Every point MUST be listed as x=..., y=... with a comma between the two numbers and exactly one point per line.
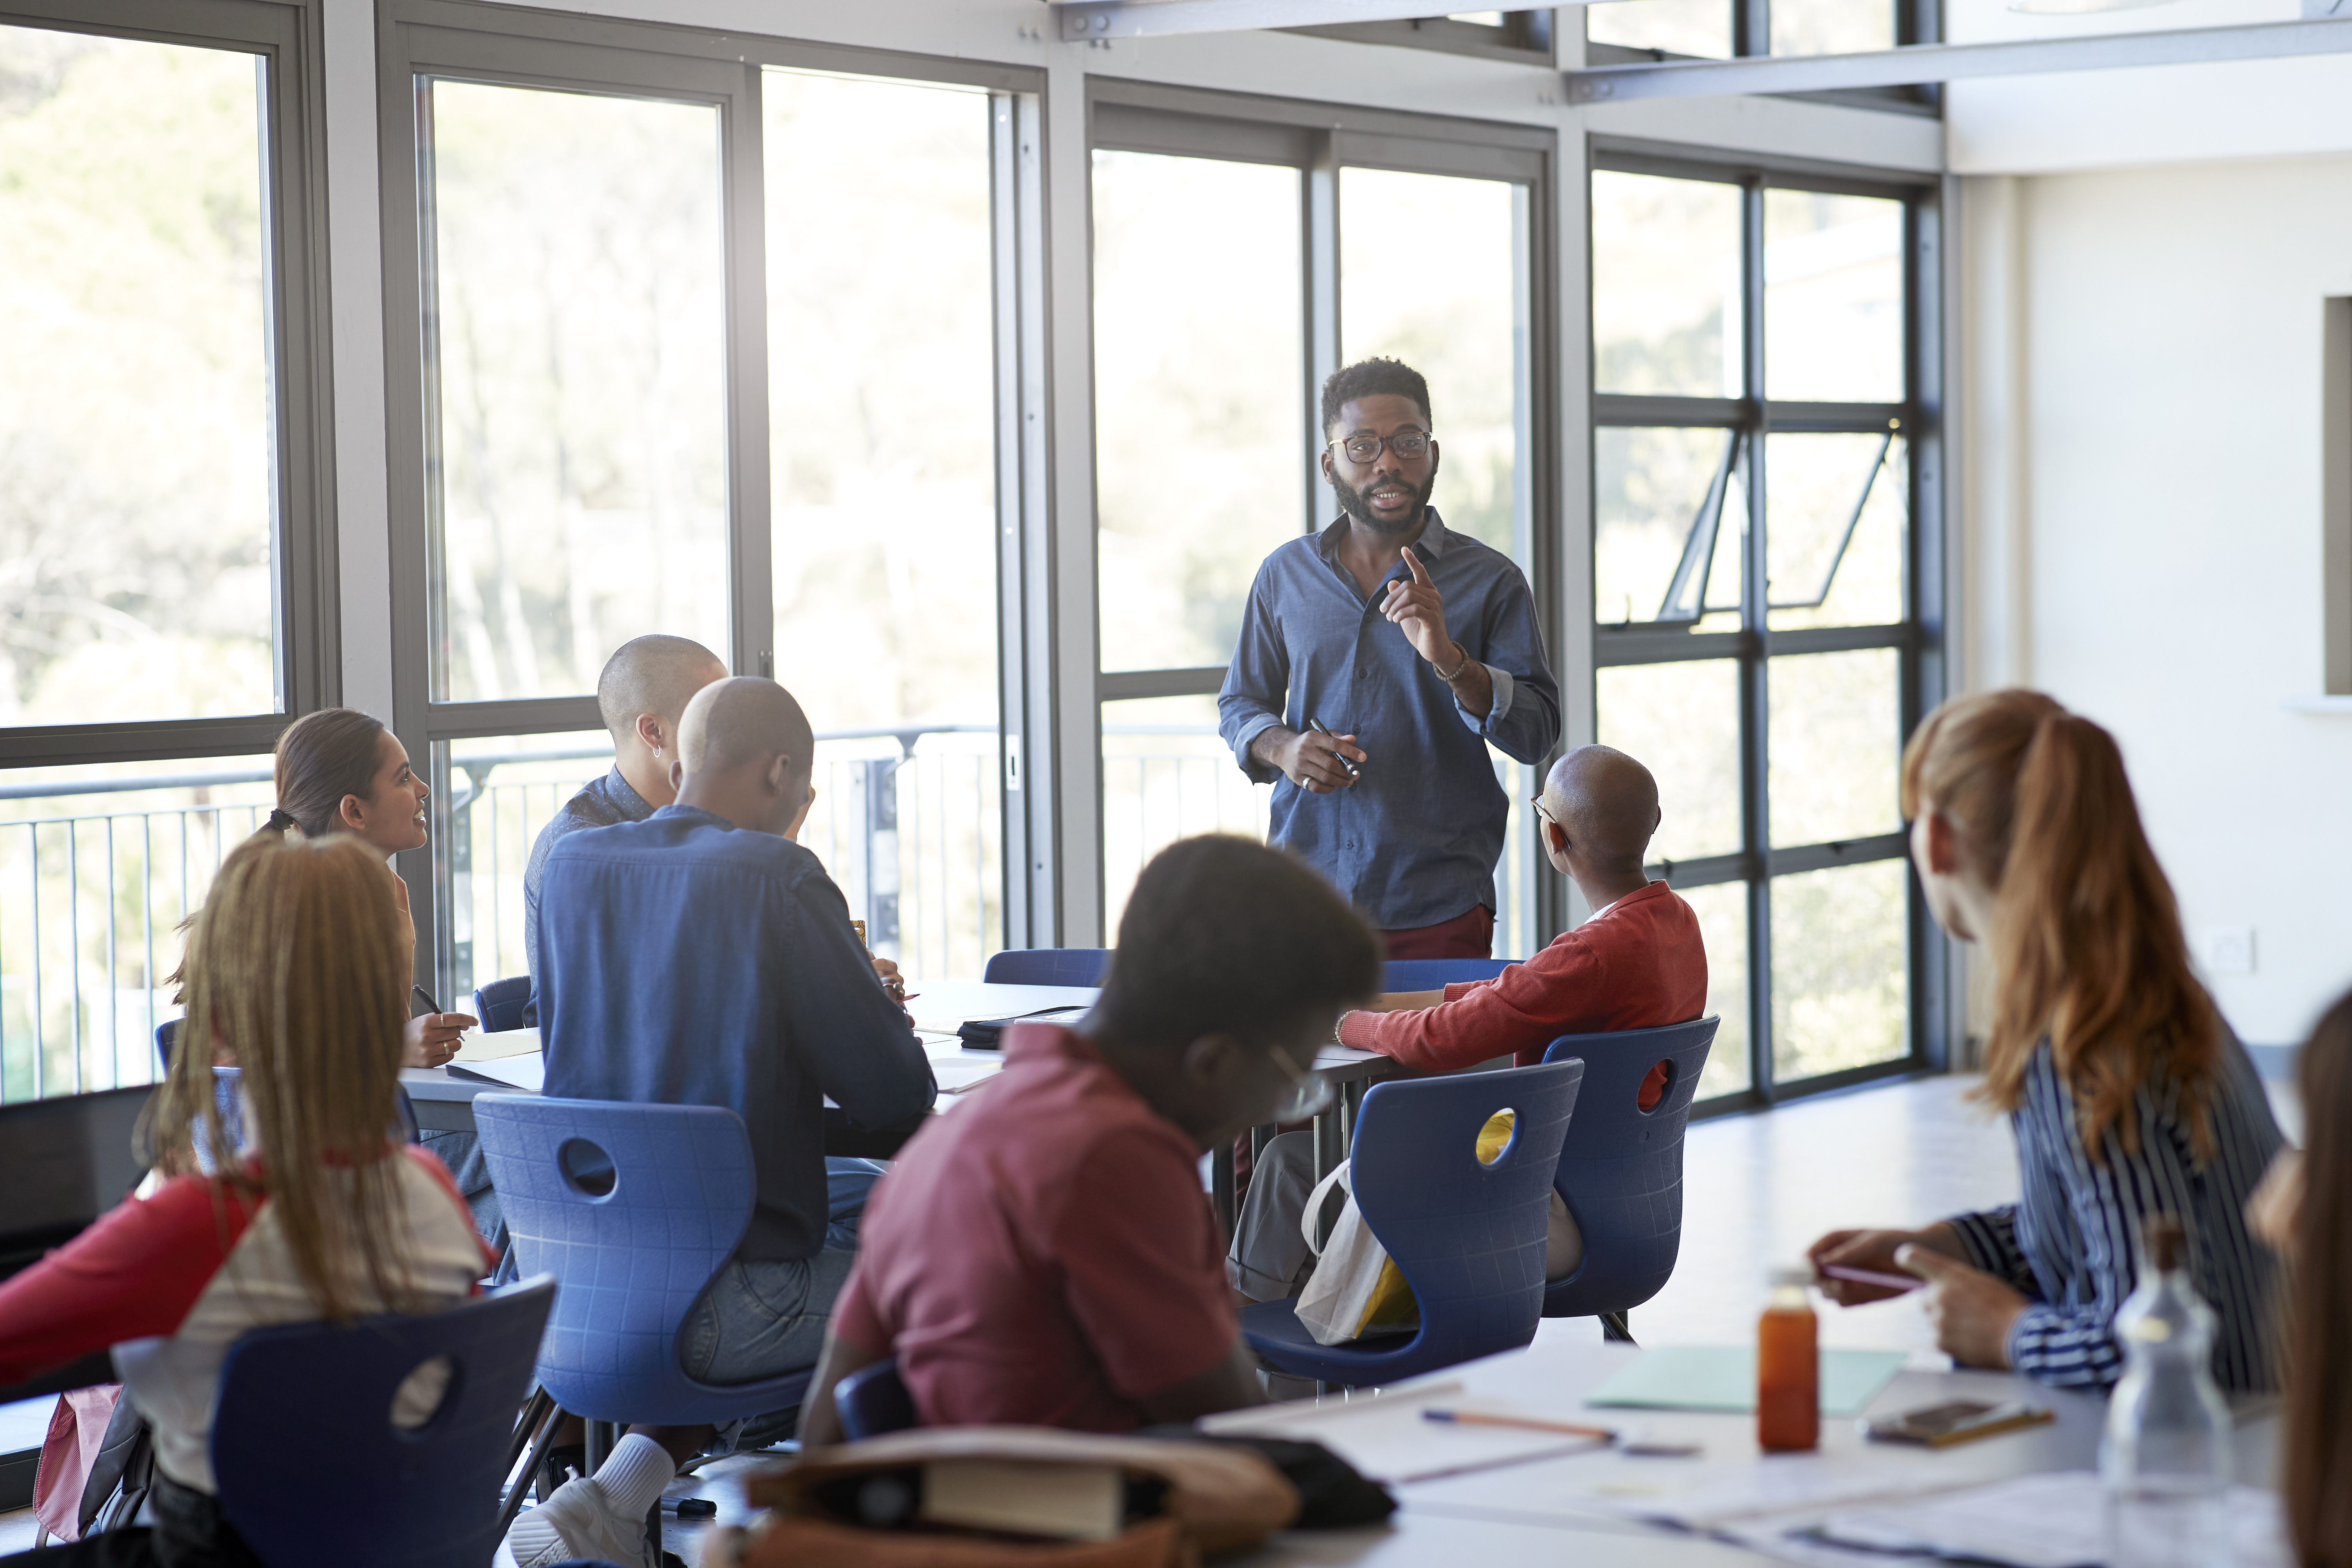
x=298, y=976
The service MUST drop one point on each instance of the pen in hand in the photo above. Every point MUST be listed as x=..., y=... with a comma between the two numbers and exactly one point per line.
x=1337, y=756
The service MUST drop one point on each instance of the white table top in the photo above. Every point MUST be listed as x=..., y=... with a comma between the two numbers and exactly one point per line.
x=940, y=1008
x=1452, y=1518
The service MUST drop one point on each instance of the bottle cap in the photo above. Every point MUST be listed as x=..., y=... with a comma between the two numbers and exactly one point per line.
x=1798, y=1275
x=2164, y=1241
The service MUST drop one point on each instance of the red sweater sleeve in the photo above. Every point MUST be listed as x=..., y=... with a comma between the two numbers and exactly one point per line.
x=1640, y=964
x=133, y=1275
x=1520, y=1012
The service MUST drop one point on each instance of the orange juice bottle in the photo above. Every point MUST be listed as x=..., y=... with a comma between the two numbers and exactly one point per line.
x=1788, y=1367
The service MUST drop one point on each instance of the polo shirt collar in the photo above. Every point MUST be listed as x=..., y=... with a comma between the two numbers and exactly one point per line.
x=1433, y=541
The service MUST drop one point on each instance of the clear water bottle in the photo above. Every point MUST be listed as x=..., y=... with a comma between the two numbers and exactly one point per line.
x=2166, y=1458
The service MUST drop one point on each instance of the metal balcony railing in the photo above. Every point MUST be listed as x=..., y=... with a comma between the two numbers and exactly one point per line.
x=908, y=819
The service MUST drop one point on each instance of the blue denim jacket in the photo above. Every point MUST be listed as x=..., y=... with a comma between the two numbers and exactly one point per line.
x=1414, y=840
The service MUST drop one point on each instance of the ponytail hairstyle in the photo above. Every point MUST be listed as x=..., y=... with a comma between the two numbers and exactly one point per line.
x=2086, y=943
x=297, y=972
x=322, y=758
x=2316, y=1454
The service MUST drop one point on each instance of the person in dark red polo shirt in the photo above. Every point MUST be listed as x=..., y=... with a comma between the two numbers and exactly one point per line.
x=1637, y=963
x=1044, y=1254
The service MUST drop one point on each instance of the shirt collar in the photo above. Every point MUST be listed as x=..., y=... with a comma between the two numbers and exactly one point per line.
x=675, y=809
x=1649, y=891
x=1432, y=542
x=624, y=795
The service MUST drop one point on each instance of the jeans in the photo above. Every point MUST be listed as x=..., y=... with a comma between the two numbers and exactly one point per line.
x=764, y=1317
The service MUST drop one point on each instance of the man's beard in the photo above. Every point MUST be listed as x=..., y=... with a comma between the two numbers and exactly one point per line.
x=1353, y=502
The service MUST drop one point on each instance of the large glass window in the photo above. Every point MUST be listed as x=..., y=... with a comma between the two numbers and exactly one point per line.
x=160, y=502
x=1197, y=448
x=1754, y=505
x=577, y=333
x=883, y=462
x=1214, y=326
x=137, y=442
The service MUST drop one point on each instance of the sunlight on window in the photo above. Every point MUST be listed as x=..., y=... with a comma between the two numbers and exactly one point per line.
x=135, y=425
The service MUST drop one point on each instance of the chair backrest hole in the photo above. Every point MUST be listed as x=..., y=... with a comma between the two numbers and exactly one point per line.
x=1495, y=1138
x=1654, y=1085
x=586, y=1166
x=430, y=1387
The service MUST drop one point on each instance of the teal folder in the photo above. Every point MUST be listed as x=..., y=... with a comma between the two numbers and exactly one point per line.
x=1723, y=1378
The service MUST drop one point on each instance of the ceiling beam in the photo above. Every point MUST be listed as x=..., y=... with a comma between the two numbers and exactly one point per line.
x=1076, y=19
x=1921, y=63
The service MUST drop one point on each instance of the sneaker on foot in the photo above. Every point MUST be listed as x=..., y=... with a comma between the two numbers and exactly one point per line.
x=581, y=1522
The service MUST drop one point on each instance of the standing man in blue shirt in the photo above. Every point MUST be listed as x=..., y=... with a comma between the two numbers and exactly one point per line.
x=1412, y=646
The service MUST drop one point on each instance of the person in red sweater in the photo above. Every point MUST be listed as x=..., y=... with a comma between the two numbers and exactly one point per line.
x=1637, y=963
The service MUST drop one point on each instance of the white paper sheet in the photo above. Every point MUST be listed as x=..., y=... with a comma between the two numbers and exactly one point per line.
x=1389, y=1440
x=2052, y=1520
x=527, y=1073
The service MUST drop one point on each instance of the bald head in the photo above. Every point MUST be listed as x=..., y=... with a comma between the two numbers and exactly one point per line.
x=740, y=721
x=653, y=675
x=1607, y=803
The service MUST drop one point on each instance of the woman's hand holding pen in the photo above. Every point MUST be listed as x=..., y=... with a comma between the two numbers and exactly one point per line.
x=431, y=1038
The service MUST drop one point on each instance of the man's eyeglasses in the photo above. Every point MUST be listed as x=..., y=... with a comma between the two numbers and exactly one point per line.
x=1537, y=801
x=1307, y=1094
x=1409, y=445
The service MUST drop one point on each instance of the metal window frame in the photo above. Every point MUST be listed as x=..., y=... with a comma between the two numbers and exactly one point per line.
x=1920, y=639
x=1319, y=139
x=305, y=578
x=1916, y=22
x=469, y=39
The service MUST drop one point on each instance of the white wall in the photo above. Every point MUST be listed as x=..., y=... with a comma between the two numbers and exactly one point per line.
x=2147, y=547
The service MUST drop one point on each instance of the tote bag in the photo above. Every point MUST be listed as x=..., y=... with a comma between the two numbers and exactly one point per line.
x=1356, y=1288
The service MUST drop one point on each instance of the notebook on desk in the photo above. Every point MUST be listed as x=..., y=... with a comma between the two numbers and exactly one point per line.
x=527, y=1072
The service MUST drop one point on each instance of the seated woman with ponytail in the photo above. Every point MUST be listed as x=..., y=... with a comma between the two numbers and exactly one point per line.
x=298, y=975
x=2128, y=1094
x=341, y=772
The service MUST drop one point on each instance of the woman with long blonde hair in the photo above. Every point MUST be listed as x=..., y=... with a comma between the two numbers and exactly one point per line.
x=2128, y=1095
x=298, y=975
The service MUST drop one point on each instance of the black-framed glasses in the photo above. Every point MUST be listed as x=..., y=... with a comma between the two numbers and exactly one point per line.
x=1409, y=447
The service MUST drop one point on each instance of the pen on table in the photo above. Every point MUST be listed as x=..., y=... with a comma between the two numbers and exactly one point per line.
x=1871, y=1277
x=1320, y=728
x=1523, y=1423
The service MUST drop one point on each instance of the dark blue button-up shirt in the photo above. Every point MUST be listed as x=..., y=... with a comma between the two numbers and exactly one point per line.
x=684, y=961
x=600, y=803
x=1414, y=840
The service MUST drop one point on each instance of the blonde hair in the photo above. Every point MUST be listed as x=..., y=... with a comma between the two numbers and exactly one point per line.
x=298, y=969
x=2086, y=944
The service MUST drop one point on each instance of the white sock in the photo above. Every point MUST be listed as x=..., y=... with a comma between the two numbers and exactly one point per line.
x=634, y=1474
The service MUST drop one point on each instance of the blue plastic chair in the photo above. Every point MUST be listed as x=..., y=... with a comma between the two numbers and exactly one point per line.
x=167, y=1035
x=632, y=1260
x=1432, y=973
x=1468, y=1237
x=1622, y=1174
x=1047, y=966
x=874, y=1400
x=312, y=1471
x=504, y=1005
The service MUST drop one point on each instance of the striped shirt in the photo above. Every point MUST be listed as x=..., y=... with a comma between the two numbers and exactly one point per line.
x=2071, y=1243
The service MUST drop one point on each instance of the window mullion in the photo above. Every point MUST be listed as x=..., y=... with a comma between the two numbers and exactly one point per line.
x=1755, y=665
